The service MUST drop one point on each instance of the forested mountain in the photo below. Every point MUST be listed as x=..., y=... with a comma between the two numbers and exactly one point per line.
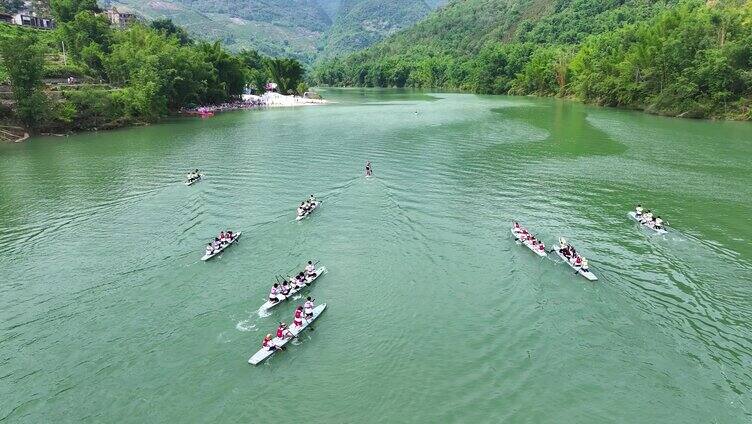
x=360, y=23
x=676, y=57
x=302, y=29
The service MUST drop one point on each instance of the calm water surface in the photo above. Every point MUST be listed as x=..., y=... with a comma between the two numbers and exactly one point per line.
x=435, y=314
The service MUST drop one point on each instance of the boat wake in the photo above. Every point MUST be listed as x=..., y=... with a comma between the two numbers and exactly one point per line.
x=263, y=313
x=245, y=325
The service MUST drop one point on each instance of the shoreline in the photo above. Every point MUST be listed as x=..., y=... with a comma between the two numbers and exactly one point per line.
x=267, y=100
x=686, y=115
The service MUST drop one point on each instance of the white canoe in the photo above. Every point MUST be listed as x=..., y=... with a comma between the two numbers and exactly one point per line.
x=221, y=249
x=264, y=353
x=529, y=246
x=587, y=274
x=192, y=182
x=315, y=206
x=633, y=215
x=269, y=304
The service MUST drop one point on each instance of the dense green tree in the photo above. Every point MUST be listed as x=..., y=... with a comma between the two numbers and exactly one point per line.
x=256, y=75
x=23, y=59
x=497, y=66
x=66, y=10
x=167, y=27
x=11, y=6
x=227, y=76
x=287, y=73
x=87, y=38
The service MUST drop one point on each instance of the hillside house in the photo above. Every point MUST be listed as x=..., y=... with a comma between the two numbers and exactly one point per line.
x=120, y=19
x=33, y=21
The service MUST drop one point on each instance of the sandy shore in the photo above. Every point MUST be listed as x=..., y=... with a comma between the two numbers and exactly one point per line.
x=279, y=100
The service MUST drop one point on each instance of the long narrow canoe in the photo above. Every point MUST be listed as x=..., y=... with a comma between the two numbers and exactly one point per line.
x=315, y=206
x=529, y=245
x=218, y=251
x=264, y=353
x=633, y=215
x=269, y=304
x=587, y=274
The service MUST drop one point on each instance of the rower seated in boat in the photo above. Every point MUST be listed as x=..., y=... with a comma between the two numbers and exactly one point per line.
x=283, y=332
x=312, y=200
x=308, y=307
x=658, y=223
x=541, y=247
x=273, y=293
x=268, y=344
x=578, y=261
x=368, y=169
x=229, y=235
x=310, y=269
x=209, y=250
x=297, y=320
x=284, y=289
x=216, y=243
x=583, y=264
x=638, y=211
x=647, y=217
x=301, y=209
x=300, y=280
x=194, y=175
x=516, y=226
x=222, y=237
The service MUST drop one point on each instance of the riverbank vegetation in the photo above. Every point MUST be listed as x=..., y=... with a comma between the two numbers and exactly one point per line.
x=87, y=75
x=691, y=59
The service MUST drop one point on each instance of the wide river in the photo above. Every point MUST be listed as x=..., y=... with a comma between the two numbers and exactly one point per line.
x=435, y=314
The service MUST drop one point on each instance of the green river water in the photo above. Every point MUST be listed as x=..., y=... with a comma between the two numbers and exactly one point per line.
x=434, y=314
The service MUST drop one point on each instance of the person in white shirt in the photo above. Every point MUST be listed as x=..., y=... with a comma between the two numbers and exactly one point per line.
x=308, y=307
x=310, y=269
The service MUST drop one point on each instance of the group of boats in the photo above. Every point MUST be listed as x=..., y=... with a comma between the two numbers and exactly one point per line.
x=282, y=290
x=303, y=315
x=569, y=254
x=286, y=288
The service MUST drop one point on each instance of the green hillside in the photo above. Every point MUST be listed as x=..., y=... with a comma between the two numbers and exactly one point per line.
x=361, y=23
x=273, y=27
x=302, y=29
x=688, y=58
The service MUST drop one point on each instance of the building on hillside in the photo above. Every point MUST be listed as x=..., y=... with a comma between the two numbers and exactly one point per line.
x=6, y=18
x=120, y=19
x=33, y=21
